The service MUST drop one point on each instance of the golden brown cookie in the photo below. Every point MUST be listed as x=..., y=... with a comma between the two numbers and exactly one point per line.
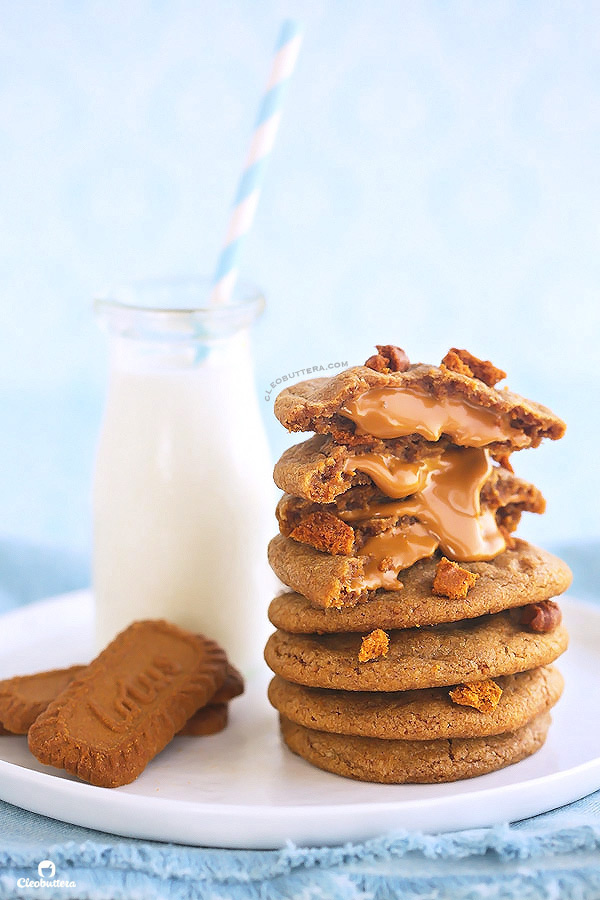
x=343, y=526
x=321, y=471
x=417, y=762
x=127, y=705
x=418, y=715
x=472, y=650
x=209, y=719
x=514, y=578
x=24, y=697
x=316, y=405
x=232, y=687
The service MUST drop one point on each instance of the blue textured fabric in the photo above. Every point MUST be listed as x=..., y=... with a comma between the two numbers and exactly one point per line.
x=555, y=855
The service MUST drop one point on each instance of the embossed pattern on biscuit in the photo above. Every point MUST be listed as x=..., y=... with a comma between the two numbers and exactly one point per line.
x=24, y=697
x=127, y=705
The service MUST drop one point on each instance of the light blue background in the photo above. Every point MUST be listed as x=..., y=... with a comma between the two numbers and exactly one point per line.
x=435, y=182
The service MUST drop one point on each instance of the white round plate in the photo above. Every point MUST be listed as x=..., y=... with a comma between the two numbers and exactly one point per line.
x=242, y=788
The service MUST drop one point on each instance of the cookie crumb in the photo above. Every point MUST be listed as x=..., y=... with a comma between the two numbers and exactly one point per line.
x=541, y=617
x=465, y=363
x=482, y=695
x=374, y=645
x=326, y=532
x=452, y=581
x=505, y=463
x=388, y=359
x=509, y=540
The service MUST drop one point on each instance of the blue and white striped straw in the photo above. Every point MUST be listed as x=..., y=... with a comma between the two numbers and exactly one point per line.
x=248, y=193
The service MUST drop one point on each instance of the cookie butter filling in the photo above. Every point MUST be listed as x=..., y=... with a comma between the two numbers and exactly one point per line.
x=386, y=554
x=443, y=493
x=392, y=412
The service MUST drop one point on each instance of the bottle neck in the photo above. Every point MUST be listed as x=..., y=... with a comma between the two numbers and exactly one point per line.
x=136, y=354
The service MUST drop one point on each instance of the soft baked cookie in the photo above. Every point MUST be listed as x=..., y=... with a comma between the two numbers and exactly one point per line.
x=472, y=650
x=514, y=578
x=417, y=715
x=419, y=762
x=323, y=404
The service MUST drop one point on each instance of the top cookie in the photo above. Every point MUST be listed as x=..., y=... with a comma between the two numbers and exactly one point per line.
x=360, y=401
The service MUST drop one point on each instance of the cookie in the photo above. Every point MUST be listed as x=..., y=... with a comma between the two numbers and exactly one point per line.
x=209, y=719
x=127, y=705
x=515, y=577
x=318, y=468
x=321, y=471
x=232, y=687
x=325, y=405
x=432, y=656
x=364, y=511
x=413, y=762
x=422, y=715
x=24, y=697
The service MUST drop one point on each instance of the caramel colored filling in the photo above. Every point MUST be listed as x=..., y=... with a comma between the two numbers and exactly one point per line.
x=392, y=412
x=384, y=555
x=443, y=493
x=392, y=476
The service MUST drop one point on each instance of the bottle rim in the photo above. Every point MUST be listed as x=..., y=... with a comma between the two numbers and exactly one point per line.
x=176, y=308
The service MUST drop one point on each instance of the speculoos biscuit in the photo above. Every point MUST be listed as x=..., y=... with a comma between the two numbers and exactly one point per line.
x=127, y=705
x=24, y=697
x=209, y=719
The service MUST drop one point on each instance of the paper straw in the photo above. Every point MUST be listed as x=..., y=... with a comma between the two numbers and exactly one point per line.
x=265, y=131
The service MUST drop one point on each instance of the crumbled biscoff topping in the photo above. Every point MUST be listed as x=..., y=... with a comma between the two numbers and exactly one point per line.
x=482, y=695
x=541, y=617
x=374, y=645
x=388, y=359
x=452, y=581
x=465, y=363
x=324, y=531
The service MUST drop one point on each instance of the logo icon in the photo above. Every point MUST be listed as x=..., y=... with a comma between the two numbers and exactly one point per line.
x=46, y=869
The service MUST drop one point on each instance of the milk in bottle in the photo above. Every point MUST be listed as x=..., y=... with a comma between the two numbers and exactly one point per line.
x=183, y=489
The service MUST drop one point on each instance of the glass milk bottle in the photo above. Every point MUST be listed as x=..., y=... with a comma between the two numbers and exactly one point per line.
x=183, y=490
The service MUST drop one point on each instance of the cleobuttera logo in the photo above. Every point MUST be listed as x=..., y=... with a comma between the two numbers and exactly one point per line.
x=46, y=869
x=46, y=872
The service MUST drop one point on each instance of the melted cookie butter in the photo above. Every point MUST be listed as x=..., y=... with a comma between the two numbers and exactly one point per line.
x=392, y=412
x=384, y=555
x=392, y=476
x=443, y=493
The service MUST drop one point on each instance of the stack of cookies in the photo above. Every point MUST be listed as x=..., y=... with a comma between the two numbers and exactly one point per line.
x=416, y=640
